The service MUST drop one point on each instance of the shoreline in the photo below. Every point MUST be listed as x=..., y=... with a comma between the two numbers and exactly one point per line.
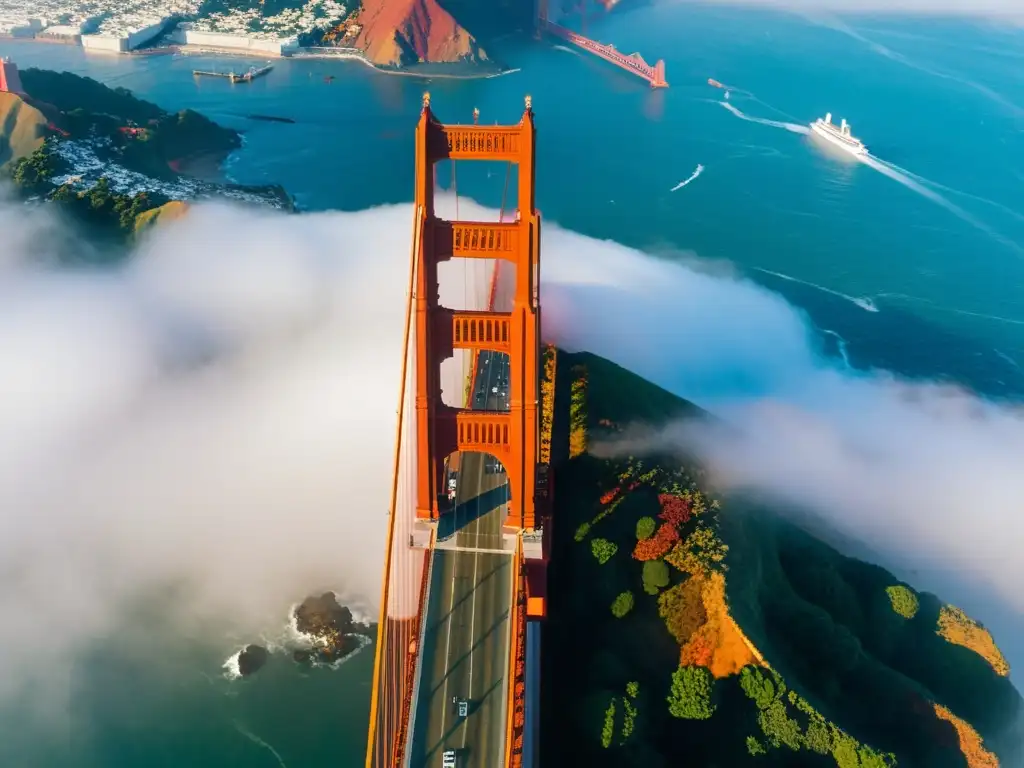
x=310, y=53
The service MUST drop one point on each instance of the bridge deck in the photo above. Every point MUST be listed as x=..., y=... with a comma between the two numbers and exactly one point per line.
x=465, y=651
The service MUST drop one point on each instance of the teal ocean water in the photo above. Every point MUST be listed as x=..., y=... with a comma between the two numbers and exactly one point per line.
x=913, y=262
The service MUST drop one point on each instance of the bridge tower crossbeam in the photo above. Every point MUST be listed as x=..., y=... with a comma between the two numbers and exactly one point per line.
x=513, y=437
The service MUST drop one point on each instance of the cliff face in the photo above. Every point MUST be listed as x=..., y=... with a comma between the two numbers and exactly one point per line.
x=688, y=630
x=402, y=32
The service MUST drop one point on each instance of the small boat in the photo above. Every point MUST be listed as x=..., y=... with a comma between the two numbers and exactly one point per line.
x=271, y=118
x=715, y=83
x=838, y=134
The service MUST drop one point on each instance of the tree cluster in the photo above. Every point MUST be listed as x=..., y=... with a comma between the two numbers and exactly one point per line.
x=690, y=696
x=103, y=209
x=674, y=509
x=33, y=174
x=903, y=600
x=655, y=576
x=658, y=545
x=603, y=550
x=622, y=604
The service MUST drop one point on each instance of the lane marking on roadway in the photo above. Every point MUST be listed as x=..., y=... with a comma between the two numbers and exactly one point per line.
x=480, y=550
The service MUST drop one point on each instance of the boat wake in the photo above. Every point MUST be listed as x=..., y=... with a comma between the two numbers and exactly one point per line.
x=567, y=49
x=913, y=182
x=864, y=302
x=922, y=186
x=952, y=190
x=699, y=170
x=259, y=742
x=791, y=127
x=841, y=347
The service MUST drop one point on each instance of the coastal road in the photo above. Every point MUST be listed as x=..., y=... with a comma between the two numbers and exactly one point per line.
x=465, y=651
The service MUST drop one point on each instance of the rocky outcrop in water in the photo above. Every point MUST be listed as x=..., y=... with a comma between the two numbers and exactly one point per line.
x=334, y=632
x=251, y=659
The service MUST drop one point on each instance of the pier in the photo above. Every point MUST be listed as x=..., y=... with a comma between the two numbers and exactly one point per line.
x=245, y=77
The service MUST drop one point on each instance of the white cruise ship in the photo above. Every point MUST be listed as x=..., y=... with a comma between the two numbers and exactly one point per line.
x=839, y=135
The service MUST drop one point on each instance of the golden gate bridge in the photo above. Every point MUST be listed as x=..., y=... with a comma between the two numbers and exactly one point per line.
x=634, y=63
x=456, y=666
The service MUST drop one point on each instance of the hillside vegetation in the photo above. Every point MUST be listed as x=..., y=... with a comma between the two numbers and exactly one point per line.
x=22, y=129
x=138, y=134
x=113, y=163
x=689, y=630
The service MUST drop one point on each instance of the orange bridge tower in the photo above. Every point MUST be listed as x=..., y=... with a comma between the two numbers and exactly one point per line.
x=513, y=437
x=10, y=81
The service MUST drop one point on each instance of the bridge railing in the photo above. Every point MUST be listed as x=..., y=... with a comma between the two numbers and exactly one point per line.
x=516, y=705
x=409, y=720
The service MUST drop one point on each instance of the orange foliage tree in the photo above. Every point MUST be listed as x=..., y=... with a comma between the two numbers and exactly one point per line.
x=658, y=545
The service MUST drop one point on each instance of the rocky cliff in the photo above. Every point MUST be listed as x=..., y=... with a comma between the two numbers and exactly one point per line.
x=403, y=32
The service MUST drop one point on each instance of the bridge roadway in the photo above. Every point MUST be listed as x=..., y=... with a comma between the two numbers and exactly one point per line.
x=465, y=651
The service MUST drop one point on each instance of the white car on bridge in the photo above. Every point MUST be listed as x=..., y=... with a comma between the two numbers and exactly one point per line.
x=448, y=759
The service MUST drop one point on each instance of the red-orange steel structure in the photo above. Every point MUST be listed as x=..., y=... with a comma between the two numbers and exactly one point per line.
x=654, y=74
x=513, y=437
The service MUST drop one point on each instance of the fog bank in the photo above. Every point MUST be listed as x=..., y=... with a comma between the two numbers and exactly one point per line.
x=218, y=416
x=926, y=475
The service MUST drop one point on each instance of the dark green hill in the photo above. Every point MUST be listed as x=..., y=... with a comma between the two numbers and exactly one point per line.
x=110, y=161
x=140, y=135
x=686, y=630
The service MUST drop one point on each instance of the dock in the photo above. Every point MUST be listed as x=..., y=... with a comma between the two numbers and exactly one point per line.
x=245, y=77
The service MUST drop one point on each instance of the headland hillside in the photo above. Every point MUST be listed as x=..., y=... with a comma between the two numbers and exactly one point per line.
x=687, y=629
x=111, y=161
x=426, y=37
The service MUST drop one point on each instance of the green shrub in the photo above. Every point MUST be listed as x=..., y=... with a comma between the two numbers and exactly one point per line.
x=818, y=738
x=690, y=695
x=655, y=576
x=32, y=174
x=628, y=720
x=844, y=751
x=903, y=600
x=603, y=550
x=754, y=747
x=645, y=527
x=778, y=727
x=608, y=729
x=632, y=689
x=622, y=605
x=759, y=687
x=582, y=531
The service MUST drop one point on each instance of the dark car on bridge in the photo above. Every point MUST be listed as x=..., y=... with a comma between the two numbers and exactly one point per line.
x=461, y=706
